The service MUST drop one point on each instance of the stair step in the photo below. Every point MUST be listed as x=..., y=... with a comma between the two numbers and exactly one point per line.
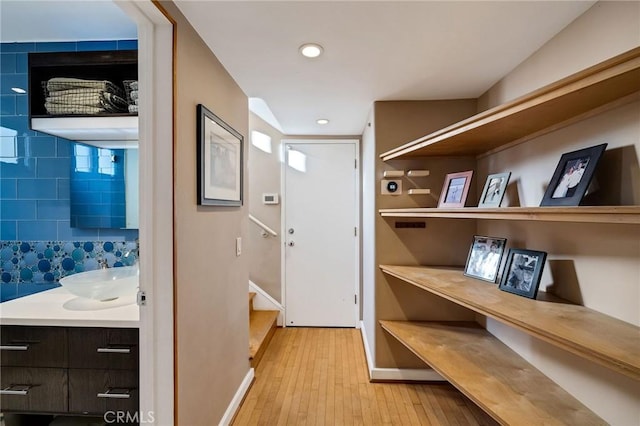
x=252, y=295
x=262, y=326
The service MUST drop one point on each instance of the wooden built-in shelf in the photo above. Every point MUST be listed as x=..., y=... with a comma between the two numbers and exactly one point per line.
x=608, y=341
x=419, y=191
x=492, y=375
x=596, y=214
x=549, y=107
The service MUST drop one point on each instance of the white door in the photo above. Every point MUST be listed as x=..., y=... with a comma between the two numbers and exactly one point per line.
x=320, y=233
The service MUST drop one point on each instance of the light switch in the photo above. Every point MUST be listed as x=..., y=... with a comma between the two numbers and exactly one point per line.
x=238, y=246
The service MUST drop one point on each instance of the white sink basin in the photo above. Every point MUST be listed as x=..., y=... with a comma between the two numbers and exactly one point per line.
x=103, y=284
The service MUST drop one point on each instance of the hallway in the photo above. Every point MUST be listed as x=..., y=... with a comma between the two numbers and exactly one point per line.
x=318, y=376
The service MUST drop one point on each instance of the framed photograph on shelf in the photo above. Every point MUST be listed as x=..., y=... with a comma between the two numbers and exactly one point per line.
x=483, y=261
x=522, y=272
x=455, y=189
x=219, y=161
x=572, y=177
x=494, y=189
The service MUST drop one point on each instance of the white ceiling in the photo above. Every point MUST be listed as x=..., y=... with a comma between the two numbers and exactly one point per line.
x=374, y=50
x=70, y=20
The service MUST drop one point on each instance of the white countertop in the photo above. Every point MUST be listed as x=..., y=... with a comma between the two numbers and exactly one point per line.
x=58, y=307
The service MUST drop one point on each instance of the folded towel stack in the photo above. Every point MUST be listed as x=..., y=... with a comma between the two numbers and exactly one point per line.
x=77, y=96
x=131, y=86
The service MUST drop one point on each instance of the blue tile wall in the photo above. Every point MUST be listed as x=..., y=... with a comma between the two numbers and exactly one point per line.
x=48, y=261
x=35, y=175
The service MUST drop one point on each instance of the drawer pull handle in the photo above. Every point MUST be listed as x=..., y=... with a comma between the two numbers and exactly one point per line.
x=22, y=390
x=115, y=394
x=14, y=347
x=114, y=350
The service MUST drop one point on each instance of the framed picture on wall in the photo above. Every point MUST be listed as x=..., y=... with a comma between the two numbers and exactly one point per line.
x=483, y=261
x=455, y=189
x=219, y=161
x=494, y=189
x=572, y=177
x=522, y=272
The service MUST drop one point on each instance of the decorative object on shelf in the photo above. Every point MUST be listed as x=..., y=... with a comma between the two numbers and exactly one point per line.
x=455, y=189
x=522, y=272
x=572, y=176
x=494, y=189
x=219, y=161
x=418, y=173
x=483, y=261
x=132, y=92
x=73, y=96
x=393, y=173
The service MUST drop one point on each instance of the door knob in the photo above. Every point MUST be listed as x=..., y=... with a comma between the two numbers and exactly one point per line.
x=291, y=244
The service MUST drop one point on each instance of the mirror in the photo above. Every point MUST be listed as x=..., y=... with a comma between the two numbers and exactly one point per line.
x=103, y=187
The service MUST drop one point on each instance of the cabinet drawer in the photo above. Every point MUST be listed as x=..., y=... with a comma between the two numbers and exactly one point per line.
x=28, y=389
x=102, y=348
x=33, y=346
x=98, y=391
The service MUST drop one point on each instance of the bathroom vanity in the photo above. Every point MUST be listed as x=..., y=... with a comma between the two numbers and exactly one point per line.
x=65, y=355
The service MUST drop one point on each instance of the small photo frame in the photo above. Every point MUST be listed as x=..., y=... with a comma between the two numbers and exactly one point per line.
x=485, y=254
x=572, y=177
x=455, y=189
x=494, y=189
x=219, y=161
x=522, y=272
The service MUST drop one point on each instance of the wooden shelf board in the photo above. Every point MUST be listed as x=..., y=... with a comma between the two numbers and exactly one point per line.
x=574, y=96
x=492, y=375
x=610, y=342
x=596, y=214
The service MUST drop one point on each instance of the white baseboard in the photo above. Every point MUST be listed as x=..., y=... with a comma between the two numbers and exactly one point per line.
x=367, y=351
x=395, y=374
x=263, y=301
x=237, y=398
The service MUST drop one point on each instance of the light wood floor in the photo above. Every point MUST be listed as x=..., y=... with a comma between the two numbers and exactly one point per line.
x=318, y=376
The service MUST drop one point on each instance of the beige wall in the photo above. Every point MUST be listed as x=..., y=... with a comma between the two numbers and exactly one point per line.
x=264, y=177
x=607, y=29
x=211, y=309
x=440, y=243
x=597, y=265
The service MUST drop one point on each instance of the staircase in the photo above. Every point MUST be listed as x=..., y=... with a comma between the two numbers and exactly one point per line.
x=262, y=326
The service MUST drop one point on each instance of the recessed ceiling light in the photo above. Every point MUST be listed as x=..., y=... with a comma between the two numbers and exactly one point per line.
x=322, y=121
x=18, y=90
x=311, y=50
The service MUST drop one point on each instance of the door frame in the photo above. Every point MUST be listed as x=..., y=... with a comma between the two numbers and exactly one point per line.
x=155, y=67
x=357, y=219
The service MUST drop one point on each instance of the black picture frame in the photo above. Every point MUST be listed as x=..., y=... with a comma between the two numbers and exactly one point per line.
x=220, y=161
x=485, y=255
x=522, y=272
x=572, y=177
x=494, y=189
x=455, y=189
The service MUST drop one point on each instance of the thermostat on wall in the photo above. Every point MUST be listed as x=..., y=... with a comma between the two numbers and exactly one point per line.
x=270, y=199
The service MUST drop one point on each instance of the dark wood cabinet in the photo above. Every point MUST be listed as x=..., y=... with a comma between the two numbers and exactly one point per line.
x=33, y=346
x=115, y=66
x=99, y=391
x=32, y=389
x=69, y=370
x=112, y=348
